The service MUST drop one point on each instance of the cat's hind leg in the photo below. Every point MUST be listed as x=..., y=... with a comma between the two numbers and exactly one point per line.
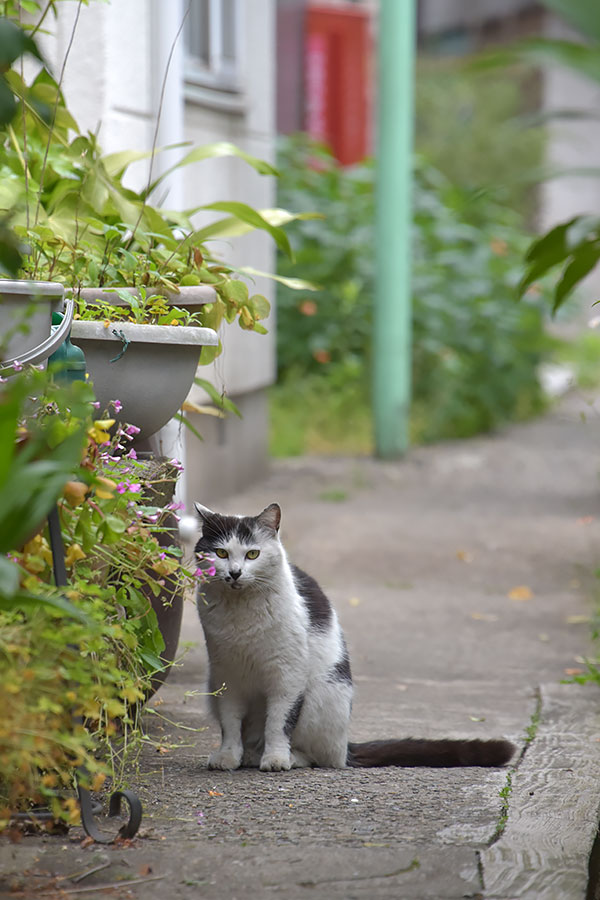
x=321, y=735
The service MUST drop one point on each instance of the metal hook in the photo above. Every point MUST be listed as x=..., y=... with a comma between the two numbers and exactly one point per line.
x=128, y=830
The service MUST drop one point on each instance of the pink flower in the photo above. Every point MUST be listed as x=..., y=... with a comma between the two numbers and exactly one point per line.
x=124, y=486
x=176, y=464
x=17, y=366
x=118, y=406
x=205, y=573
x=175, y=506
x=132, y=429
x=132, y=454
x=96, y=404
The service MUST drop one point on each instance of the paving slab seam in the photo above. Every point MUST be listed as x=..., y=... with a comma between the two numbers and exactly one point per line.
x=546, y=849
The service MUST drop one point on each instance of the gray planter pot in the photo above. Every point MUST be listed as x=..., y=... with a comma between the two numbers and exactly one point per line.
x=150, y=369
x=26, y=308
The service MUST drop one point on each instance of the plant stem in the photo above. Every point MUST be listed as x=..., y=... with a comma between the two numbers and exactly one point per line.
x=158, y=115
x=51, y=129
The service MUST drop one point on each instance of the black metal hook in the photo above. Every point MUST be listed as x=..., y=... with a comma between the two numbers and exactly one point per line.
x=90, y=826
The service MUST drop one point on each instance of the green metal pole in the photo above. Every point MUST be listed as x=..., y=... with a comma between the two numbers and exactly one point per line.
x=392, y=320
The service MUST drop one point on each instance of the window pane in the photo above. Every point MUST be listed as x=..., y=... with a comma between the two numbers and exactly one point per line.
x=229, y=30
x=197, y=31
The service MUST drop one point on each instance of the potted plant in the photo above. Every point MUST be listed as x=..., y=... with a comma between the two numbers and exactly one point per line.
x=83, y=227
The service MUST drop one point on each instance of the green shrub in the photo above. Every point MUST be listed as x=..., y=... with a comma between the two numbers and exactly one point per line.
x=87, y=650
x=475, y=128
x=475, y=348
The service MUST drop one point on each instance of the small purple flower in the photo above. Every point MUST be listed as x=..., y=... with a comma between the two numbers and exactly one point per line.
x=175, y=462
x=96, y=404
x=132, y=429
x=118, y=406
x=175, y=506
x=124, y=486
x=132, y=454
x=162, y=555
x=17, y=366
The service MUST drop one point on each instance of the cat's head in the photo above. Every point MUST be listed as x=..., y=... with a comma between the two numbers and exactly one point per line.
x=244, y=550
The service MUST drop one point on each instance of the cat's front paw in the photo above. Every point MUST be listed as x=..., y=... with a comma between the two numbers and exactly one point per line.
x=276, y=762
x=224, y=759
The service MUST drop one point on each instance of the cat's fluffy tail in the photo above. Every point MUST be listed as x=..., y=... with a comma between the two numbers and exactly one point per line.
x=439, y=753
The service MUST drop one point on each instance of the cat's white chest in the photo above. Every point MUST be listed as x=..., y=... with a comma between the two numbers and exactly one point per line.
x=254, y=640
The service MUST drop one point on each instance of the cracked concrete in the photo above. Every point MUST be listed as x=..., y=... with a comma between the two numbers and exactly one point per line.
x=463, y=578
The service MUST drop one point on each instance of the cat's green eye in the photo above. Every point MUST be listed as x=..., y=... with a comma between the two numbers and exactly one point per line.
x=252, y=554
x=222, y=554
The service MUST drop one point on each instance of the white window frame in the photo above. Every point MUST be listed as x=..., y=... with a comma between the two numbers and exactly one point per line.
x=218, y=82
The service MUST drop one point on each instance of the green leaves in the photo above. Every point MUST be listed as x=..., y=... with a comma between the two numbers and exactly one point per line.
x=581, y=14
x=33, y=474
x=574, y=245
x=252, y=217
x=13, y=44
x=220, y=400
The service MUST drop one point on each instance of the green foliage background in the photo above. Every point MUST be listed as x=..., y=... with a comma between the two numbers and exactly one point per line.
x=475, y=348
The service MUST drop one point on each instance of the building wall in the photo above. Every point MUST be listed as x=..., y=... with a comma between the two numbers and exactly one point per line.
x=113, y=80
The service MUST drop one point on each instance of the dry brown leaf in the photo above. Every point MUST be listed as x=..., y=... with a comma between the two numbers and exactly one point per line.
x=573, y=671
x=520, y=592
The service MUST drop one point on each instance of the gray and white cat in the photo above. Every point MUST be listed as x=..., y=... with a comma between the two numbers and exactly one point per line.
x=274, y=641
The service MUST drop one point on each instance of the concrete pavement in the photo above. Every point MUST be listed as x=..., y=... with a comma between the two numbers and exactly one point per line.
x=464, y=579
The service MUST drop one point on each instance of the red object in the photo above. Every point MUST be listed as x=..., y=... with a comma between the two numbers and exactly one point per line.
x=337, y=80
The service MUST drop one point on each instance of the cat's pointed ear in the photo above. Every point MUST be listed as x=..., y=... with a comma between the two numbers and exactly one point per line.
x=203, y=511
x=270, y=517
